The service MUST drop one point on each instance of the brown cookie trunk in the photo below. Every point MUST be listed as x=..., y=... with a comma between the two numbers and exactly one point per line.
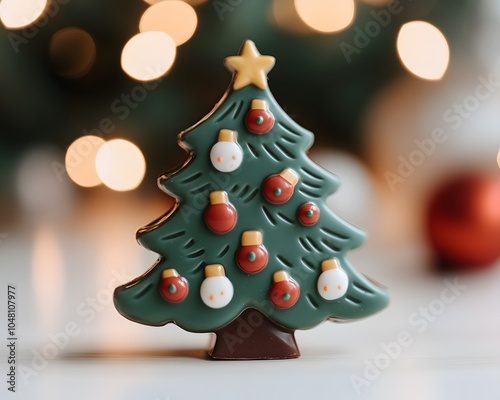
x=253, y=336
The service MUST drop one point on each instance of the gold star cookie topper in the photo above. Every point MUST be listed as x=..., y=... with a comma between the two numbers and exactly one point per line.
x=249, y=67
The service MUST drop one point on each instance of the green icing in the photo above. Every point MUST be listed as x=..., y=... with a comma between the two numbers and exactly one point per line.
x=183, y=240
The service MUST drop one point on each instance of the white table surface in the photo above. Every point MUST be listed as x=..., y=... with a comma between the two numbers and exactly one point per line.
x=60, y=266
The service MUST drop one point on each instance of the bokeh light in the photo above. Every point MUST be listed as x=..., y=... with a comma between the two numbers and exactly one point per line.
x=148, y=55
x=423, y=50
x=120, y=165
x=326, y=15
x=16, y=14
x=195, y=2
x=72, y=52
x=80, y=160
x=377, y=3
x=176, y=18
x=47, y=275
x=43, y=188
x=286, y=17
x=190, y=2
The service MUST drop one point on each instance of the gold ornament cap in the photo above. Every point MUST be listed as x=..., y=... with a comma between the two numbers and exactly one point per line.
x=218, y=197
x=227, y=135
x=214, y=270
x=290, y=176
x=332, y=263
x=280, y=276
x=259, y=104
x=251, y=238
x=168, y=273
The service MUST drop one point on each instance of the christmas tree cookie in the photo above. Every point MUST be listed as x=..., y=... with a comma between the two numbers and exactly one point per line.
x=250, y=251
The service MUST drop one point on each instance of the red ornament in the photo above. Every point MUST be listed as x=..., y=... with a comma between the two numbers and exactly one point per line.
x=252, y=256
x=308, y=214
x=278, y=189
x=220, y=216
x=173, y=287
x=463, y=222
x=285, y=291
x=259, y=119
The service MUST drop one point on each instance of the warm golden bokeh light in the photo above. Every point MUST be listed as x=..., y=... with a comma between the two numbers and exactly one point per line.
x=286, y=17
x=326, y=15
x=423, y=50
x=47, y=275
x=80, y=160
x=148, y=55
x=16, y=14
x=72, y=52
x=190, y=2
x=377, y=3
x=176, y=18
x=120, y=165
x=195, y=2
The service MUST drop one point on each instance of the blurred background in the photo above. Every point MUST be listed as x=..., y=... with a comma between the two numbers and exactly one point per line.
x=402, y=96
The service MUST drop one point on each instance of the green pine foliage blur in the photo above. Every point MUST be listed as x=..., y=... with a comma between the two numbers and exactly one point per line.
x=313, y=79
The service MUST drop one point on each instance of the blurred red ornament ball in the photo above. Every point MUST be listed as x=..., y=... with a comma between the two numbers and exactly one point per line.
x=463, y=221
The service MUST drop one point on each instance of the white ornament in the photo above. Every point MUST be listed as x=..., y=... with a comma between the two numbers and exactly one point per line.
x=216, y=290
x=226, y=155
x=333, y=282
